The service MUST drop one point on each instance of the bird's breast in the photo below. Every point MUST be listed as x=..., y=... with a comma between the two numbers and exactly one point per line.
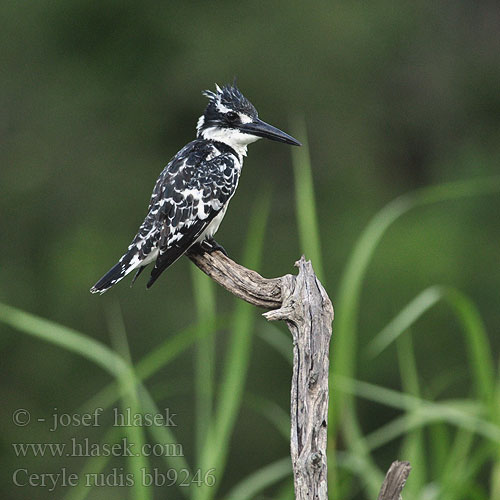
x=211, y=229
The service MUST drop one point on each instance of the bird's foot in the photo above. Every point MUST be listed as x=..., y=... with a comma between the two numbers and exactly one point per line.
x=211, y=245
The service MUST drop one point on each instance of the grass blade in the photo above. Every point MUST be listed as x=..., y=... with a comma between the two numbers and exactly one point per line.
x=478, y=347
x=420, y=412
x=260, y=480
x=94, y=465
x=351, y=283
x=65, y=337
x=130, y=400
x=413, y=448
x=270, y=410
x=152, y=362
x=204, y=369
x=476, y=338
x=348, y=298
x=305, y=202
x=216, y=445
x=430, y=413
x=96, y=352
x=404, y=320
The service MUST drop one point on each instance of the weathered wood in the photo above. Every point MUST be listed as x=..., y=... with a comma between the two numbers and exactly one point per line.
x=303, y=304
x=240, y=281
x=394, y=481
x=308, y=312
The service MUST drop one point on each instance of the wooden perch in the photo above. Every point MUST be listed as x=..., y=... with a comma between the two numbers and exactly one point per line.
x=303, y=304
x=394, y=481
x=240, y=281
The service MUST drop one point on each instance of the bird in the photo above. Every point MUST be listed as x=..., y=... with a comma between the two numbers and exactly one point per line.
x=191, y=195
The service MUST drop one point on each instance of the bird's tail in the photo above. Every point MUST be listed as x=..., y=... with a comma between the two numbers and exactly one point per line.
x=124, y=266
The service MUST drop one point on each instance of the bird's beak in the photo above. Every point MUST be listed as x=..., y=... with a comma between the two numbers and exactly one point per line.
x=262, y=129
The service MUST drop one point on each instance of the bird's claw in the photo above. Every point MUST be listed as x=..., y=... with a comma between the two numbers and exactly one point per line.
x=211, y=245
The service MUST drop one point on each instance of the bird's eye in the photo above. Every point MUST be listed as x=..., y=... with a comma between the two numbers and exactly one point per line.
x=232, y=116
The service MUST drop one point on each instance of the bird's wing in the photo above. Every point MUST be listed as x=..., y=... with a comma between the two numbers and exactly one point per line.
x=190, y=195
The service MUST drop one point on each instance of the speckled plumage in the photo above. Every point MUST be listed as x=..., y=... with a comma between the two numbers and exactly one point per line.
x=191, y=195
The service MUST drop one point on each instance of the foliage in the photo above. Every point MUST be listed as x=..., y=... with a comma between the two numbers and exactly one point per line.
x=97, y=96
x=466, y=417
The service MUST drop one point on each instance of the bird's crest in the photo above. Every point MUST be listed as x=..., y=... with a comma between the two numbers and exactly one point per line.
x=229, y=97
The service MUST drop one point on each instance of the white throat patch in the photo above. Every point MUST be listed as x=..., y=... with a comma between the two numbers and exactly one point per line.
x=230, y=136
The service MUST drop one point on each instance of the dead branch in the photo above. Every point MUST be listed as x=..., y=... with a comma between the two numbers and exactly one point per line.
x=303, y=304
x=394, y=481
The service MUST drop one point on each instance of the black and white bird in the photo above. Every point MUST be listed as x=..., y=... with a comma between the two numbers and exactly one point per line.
x=191, y=195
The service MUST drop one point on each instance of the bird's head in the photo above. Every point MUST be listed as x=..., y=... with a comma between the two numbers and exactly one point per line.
x=231, y=118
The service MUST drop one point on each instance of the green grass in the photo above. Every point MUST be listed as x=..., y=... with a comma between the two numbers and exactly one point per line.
x=343, y=415
x=305, y=202
x=469, y=318
x=260, y=480
x=229, y=394
x=129, y=379
x=204, y=369
x=452, y=444
x=129, y=392
x=343, y=412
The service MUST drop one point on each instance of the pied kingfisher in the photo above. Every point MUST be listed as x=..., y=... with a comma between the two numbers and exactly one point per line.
x=191, y=195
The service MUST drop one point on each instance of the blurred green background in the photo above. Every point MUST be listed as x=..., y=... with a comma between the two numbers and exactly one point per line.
x=391, y=97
